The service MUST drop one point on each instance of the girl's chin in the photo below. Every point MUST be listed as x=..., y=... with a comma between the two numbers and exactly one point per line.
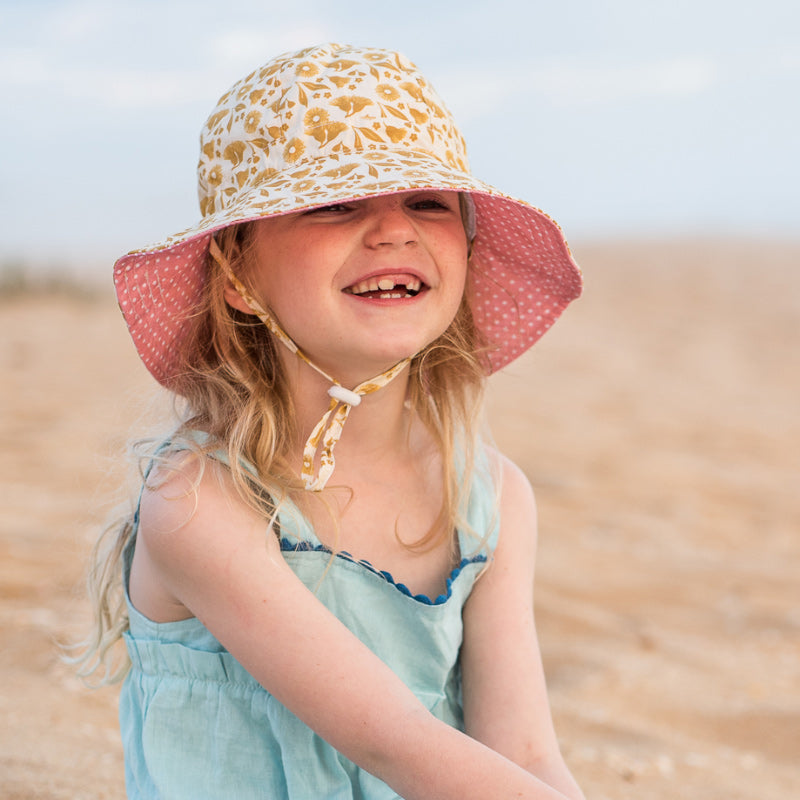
x=359, y=368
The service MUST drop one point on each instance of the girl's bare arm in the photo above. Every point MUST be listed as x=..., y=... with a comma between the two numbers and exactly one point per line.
x=505, y=698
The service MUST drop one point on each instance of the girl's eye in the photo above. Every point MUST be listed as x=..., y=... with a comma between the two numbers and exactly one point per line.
x=335, y=208
x=429, y=204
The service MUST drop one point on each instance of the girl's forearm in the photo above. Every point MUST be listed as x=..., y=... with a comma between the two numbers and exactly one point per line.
x=429, y=760
x=554, y=772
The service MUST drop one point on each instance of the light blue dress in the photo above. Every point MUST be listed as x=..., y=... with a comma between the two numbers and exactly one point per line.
x=196, y=726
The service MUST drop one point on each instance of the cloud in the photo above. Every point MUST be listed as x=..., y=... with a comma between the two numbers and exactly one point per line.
x=575, y=84
x=22, y=66
x=249, y=48
x=137, y=90
x=784, y=62
x=79, y=52
x=76, y=22
x=34, y=73
x=586, y=85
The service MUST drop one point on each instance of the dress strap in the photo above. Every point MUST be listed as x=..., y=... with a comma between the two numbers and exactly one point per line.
x=482, y=512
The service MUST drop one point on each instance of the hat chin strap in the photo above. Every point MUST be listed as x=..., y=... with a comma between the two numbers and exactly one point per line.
x=328, y=430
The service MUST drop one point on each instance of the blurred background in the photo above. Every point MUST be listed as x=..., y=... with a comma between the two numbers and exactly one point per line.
x=658, y=421
x=615, y=116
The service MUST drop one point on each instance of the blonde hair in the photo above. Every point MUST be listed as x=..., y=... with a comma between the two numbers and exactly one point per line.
x=232, y=387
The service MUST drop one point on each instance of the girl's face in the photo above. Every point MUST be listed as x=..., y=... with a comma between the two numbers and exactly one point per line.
x=363, y=284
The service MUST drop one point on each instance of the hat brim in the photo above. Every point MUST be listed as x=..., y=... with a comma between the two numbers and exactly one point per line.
x=523, y=274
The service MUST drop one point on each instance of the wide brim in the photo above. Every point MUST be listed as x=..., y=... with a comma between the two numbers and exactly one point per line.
x=522, y=272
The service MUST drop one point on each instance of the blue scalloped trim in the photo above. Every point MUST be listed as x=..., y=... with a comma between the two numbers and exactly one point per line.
x=304, y=546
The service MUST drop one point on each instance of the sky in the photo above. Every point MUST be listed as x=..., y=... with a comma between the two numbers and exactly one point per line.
x=617, y=117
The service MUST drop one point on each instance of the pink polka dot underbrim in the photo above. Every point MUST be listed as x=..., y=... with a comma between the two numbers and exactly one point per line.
x=523, y=277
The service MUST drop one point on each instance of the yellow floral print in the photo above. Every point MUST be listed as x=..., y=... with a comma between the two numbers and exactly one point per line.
x=395, y=134
x=264, y=175
x=351, y=104
x=315, y=117
x=216, y=118
x=294, y=150
x=234, y=153
x=414, y=90
x=251, y=121
x=387, y=92
x=339, y=172
x=306, y=69
x=342, y=64
x=215, y=175
x=327, y=133
x=207, y=205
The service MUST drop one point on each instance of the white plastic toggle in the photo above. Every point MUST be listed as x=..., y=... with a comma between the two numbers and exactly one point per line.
x=344, y=395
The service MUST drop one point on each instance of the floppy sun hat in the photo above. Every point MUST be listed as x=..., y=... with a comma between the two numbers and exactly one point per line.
x=326, y=125
x=334, y=123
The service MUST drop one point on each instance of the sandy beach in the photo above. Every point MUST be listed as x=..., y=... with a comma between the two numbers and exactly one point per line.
x=658, y=422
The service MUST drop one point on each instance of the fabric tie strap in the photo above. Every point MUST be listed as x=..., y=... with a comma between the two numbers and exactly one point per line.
x=328, y=430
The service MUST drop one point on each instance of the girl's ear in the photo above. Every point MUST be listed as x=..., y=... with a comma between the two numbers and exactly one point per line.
x=230, y=292
x=234, y=299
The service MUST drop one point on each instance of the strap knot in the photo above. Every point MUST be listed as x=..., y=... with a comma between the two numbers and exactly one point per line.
x=338, y=392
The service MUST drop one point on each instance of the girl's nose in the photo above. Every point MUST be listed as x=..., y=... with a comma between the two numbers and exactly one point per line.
x=388, y=224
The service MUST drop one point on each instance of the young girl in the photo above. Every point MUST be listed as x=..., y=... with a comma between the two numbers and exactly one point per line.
x=325, y=588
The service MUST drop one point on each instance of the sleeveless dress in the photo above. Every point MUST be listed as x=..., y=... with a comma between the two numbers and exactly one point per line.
x=196, y=726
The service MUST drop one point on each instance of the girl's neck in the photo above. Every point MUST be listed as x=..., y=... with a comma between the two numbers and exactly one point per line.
x=378, y=426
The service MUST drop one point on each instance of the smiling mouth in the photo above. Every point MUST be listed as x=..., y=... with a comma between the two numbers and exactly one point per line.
x=386, y=289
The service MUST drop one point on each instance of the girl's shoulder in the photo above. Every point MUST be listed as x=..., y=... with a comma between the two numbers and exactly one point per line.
x=512, y=495
x=507, y=478
x=188, y=496
x=190, y=479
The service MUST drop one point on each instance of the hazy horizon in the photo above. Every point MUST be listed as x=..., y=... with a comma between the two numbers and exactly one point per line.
x=618, y=118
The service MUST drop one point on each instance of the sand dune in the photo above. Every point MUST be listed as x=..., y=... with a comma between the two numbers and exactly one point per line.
x=659, y=424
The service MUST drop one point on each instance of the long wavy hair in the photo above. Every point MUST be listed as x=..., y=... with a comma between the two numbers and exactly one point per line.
x=231, y=386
